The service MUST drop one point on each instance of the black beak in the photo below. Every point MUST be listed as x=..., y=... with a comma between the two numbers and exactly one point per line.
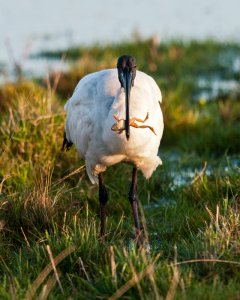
x=127, y=83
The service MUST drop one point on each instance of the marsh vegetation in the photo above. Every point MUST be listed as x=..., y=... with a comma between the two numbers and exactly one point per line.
x=189, y=208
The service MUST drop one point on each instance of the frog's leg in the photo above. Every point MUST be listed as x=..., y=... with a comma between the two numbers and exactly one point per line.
x=139, y=120
x=143, y=126
x=120, y=131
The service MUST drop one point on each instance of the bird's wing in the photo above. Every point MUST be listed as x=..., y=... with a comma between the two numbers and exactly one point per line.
x=87, y=109
x=156, y=90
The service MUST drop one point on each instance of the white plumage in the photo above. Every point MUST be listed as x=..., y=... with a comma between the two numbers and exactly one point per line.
x=90, y=110
x=129, y=97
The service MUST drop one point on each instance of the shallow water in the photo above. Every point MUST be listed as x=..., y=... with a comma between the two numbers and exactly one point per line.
x=184, y=175
x=215, y=88
x=181, y=171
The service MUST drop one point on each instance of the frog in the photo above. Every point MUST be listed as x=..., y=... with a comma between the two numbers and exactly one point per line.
x=119, y=126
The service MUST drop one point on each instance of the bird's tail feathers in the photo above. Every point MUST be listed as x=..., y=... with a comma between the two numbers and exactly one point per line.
x=94, y=171
x=149, y=166
x=66, y=145
x=93, y=178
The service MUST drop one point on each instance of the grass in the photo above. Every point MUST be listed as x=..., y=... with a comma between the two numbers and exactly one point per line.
x=49, y=226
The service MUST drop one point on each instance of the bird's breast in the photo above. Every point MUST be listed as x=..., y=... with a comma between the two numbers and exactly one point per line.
x=142, y=139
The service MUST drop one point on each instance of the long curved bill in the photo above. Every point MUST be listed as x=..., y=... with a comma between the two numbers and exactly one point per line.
x=127, y=87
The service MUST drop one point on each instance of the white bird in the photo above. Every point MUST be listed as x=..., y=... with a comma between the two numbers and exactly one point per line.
x=104, y=105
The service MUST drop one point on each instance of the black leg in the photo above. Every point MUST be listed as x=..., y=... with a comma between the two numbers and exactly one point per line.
x=103, y=198
x=132, y=195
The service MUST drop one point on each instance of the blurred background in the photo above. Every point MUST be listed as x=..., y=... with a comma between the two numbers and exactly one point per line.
x=30, y=26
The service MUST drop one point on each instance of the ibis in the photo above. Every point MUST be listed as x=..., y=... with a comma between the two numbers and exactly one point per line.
x=114, y=116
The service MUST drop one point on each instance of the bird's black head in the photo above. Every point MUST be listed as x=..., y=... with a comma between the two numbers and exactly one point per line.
x=126, y=74
x=126, y=64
